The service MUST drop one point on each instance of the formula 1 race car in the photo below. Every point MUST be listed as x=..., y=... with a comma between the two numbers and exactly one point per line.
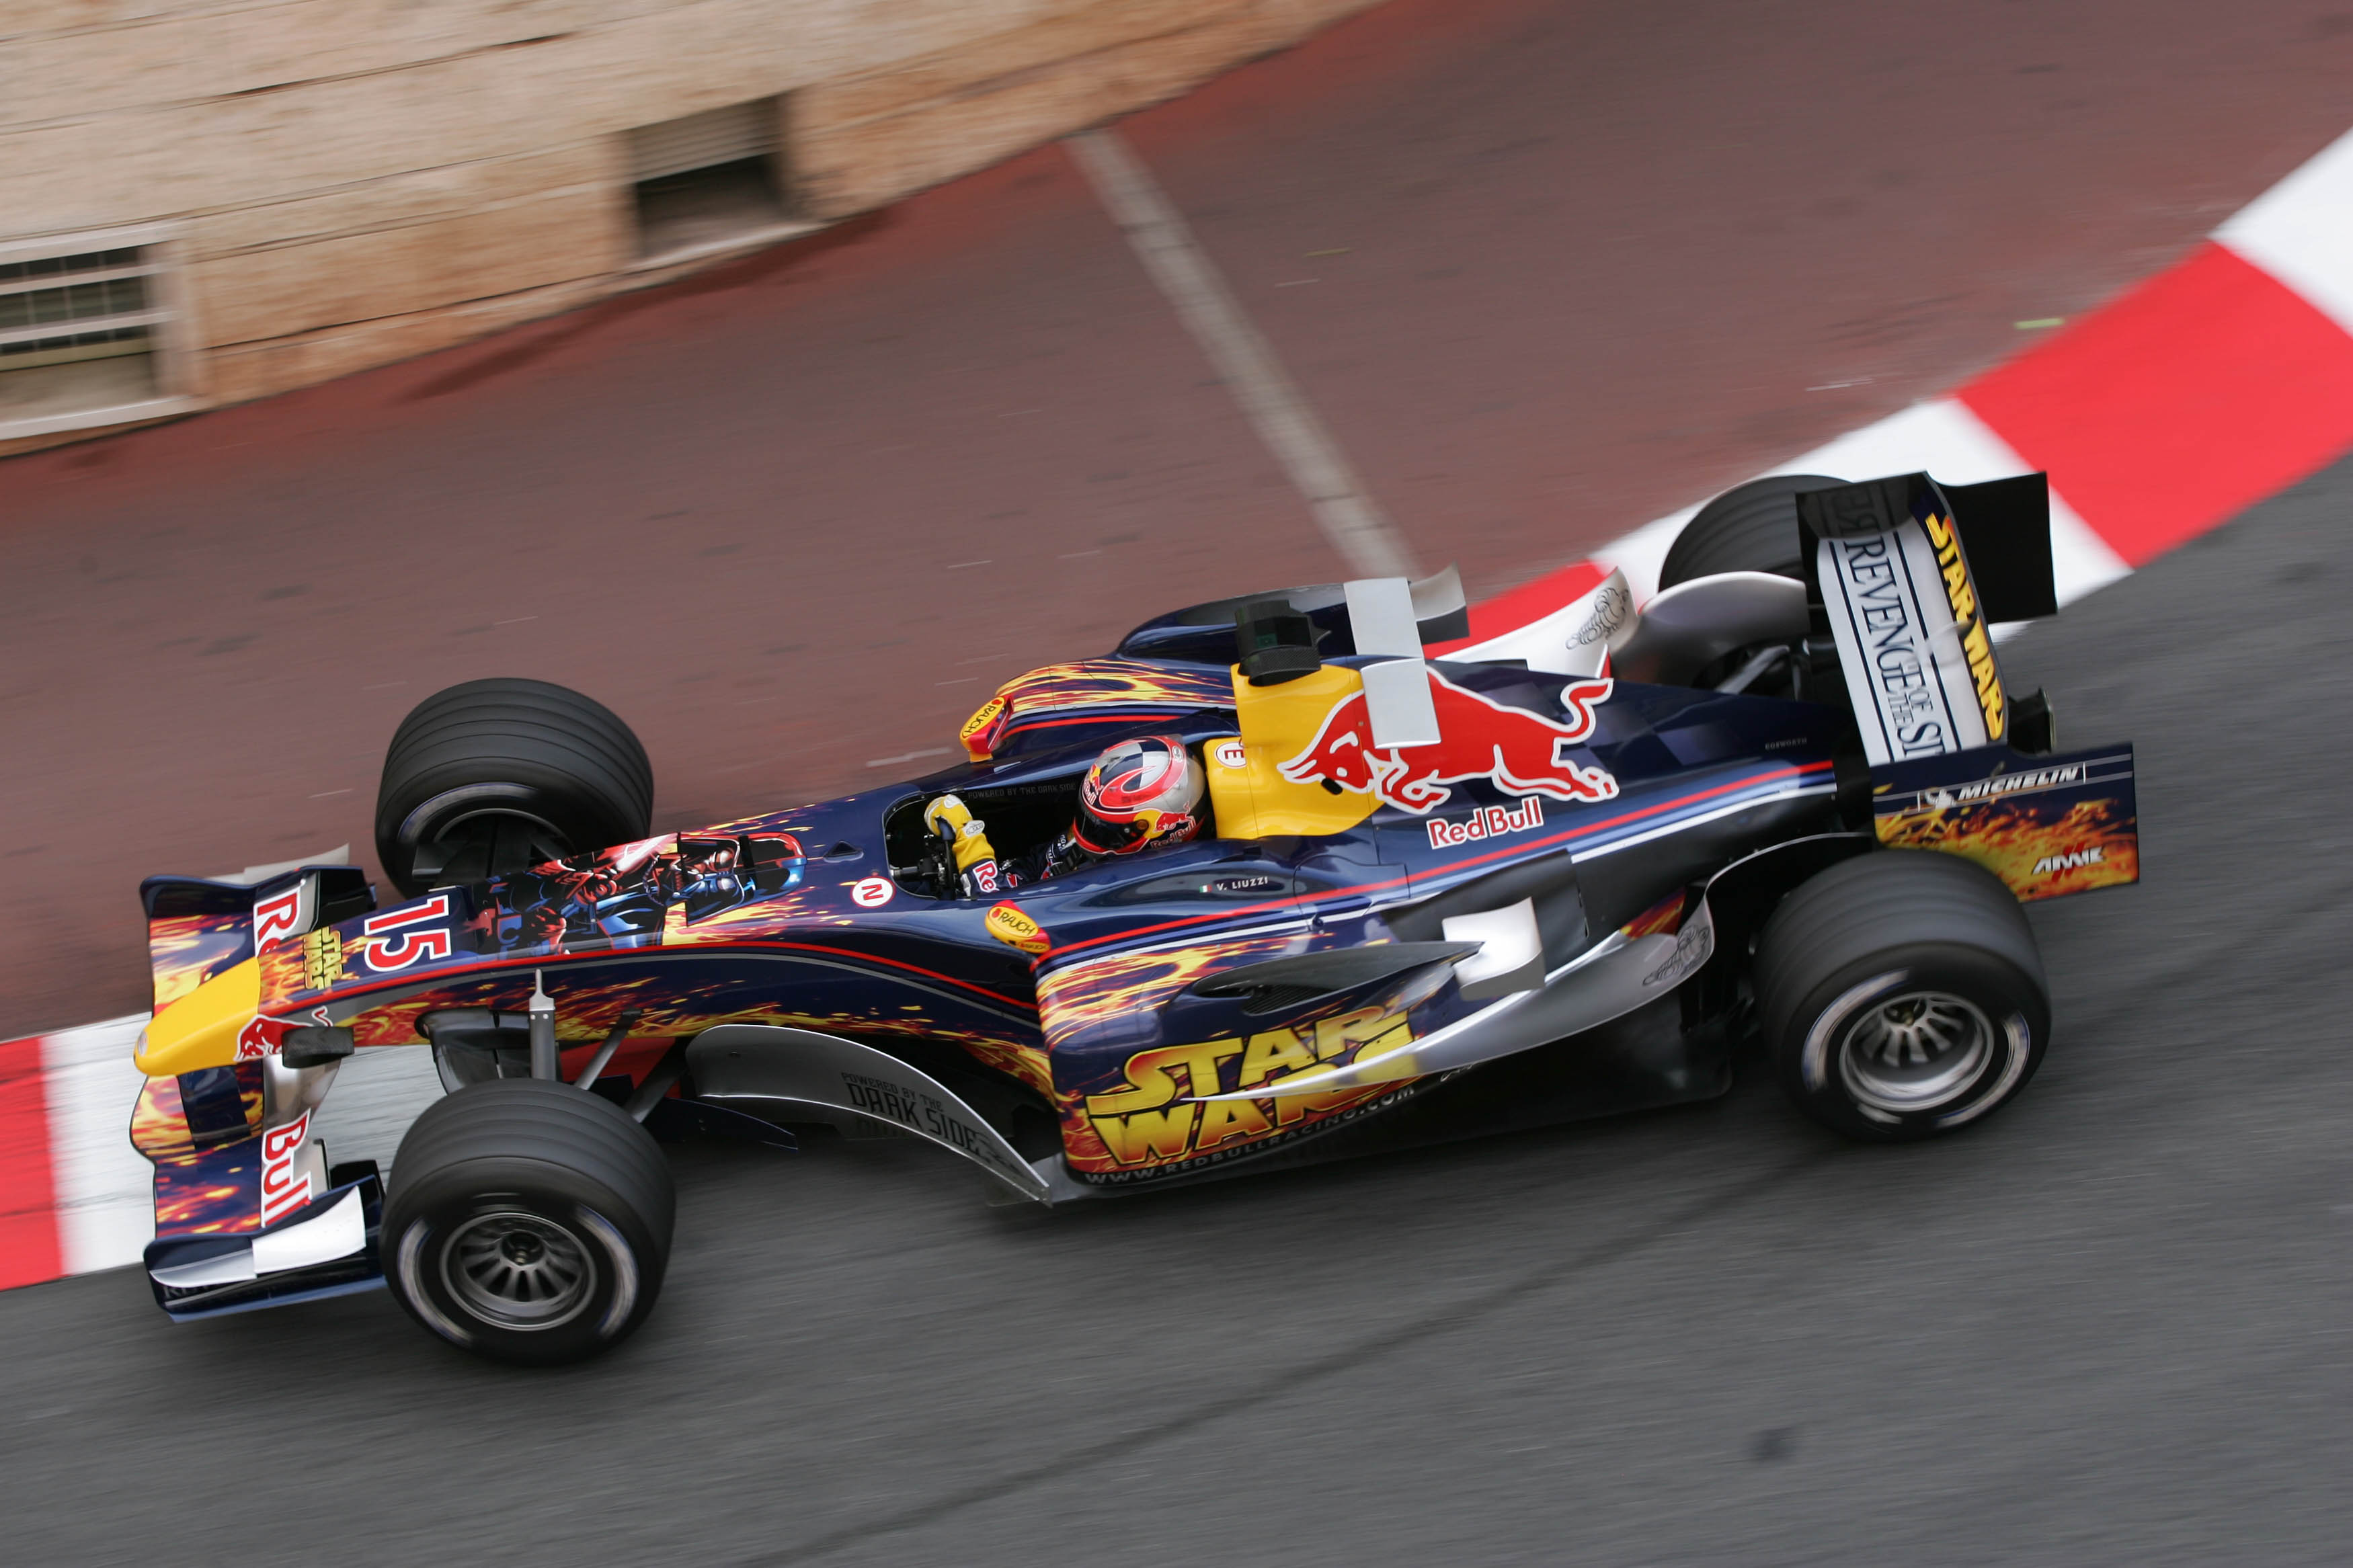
x=1445, y=887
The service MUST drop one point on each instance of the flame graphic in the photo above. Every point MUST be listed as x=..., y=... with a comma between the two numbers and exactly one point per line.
x=1074, y=998
x=1666, y=915
x=213, y=1194
x=1115, y=683
x=1082, y=994
x=763, y=917
x=285, y=975
x=186, y=951
x=159, y=1127
x=1082, y=1146
x=669, y=1011
x=159, y=1121
x=2011, y=837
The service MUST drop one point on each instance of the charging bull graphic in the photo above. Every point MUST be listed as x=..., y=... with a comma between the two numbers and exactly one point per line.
x=1477, y=739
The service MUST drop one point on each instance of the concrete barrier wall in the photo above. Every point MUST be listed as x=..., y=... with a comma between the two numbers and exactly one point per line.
x=331, y=185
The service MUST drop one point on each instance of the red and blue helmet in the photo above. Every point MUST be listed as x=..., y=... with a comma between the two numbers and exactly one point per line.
x=1139, y=793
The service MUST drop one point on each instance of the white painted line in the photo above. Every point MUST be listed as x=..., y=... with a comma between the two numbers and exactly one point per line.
x=2301, y=231
x=1270, y=400
x=1941, y=437
x=1968, y=451
x=105, y=1189
x=1957, y=447
x=1938, y=435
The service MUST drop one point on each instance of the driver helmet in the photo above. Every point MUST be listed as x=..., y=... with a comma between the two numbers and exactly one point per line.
x=1139, y=793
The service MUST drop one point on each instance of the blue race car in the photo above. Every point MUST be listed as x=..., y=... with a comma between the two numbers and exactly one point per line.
x=1434, y=886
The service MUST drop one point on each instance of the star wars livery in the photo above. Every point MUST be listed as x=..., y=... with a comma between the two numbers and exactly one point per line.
x=1284, y=878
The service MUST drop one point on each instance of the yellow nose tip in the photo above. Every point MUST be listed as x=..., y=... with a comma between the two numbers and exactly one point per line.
x=200, y=1029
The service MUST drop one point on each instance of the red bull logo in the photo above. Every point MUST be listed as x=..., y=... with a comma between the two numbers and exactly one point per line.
x=284, y=1189
x=1487, y=822
x=1519, y=750
x=260, y=1039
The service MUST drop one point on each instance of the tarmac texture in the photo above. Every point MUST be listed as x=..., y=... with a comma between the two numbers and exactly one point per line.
x=1548, y=268
x=2112, y=1325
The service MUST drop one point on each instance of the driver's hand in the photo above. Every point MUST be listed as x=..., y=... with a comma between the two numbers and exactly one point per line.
x=967, y=835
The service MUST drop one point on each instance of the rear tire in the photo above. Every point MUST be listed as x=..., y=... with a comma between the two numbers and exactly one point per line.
x=493, y=776
x=1902, y=995
x=1749, y=528
x=528, y=1221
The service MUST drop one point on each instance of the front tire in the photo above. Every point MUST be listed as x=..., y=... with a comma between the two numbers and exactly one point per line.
x=528, y=1221
x=493, y=776
x=1902, y=995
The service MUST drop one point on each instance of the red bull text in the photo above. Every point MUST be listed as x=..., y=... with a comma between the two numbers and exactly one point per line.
x=1487, y=822
x=1518, y=750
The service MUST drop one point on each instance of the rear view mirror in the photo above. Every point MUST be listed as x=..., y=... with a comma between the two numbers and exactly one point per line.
x=315, y=1044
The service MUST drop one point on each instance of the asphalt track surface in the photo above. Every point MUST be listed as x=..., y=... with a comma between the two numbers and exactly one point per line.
x=2114, y=1324
x=1548, y=268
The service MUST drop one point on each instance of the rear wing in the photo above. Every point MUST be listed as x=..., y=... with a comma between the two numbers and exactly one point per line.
x=1914, y=643
x=1910, y=578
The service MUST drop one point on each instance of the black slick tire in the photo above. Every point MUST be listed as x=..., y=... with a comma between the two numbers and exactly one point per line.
x=550, y=771
x=1749, y=528
x=1901, y=996
x=528, y=1221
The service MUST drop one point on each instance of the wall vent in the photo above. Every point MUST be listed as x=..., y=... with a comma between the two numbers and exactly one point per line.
x=712, y=180
x=93, y=332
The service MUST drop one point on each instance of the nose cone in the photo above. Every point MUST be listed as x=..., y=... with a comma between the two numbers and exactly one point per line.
x=200, y=1029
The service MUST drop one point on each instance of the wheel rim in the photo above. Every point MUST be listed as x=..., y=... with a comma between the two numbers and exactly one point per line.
x=1920, y=1051
x=518, y=1270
